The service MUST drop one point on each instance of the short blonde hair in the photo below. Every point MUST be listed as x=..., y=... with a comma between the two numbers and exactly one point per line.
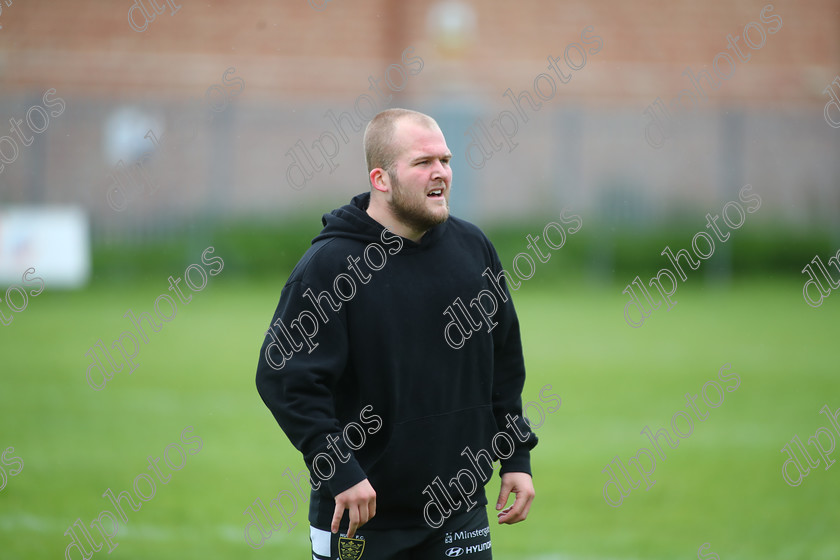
x=380, y=150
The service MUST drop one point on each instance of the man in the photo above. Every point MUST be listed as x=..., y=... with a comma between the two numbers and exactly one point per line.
x=358, y=371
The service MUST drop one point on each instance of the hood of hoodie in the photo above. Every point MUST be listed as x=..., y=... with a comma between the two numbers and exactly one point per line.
x=352, y=221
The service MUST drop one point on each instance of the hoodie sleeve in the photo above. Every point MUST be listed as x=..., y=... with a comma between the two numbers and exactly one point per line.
x=509, y=379
x=303, y=355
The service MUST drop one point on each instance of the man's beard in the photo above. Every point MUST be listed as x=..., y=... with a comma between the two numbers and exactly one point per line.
x=413, y=213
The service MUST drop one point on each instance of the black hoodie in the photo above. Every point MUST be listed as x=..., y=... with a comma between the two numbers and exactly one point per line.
x=358, y=338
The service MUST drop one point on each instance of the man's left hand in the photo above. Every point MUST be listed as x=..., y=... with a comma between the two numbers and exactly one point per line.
x=521, y=485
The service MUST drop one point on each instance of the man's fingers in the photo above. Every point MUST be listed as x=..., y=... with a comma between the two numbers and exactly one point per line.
x=354, y=521
x=527, y=508
x=337, y=515
x=504, y=494
x=360, y=502
x=519, y=510
x=363, y=514
x=518, y=507
x=511, y=514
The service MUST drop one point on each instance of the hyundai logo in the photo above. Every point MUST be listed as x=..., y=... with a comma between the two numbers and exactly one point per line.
x=455, y=551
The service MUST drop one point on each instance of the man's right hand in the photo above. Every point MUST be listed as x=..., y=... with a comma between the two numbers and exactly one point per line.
x=361, y=501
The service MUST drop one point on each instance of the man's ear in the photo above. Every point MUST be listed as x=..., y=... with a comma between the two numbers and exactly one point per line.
x=379, y=180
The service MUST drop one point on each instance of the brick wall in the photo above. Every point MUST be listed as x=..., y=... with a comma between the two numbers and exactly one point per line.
x=290, y=49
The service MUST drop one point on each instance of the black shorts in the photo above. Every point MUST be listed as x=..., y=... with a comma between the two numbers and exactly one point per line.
x=465, y=536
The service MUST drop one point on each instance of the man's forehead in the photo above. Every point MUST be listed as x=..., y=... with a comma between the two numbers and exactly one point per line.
x=418, y=139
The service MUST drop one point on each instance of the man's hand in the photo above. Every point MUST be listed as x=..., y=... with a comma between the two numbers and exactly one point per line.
x=521, y=485
x=361, y=501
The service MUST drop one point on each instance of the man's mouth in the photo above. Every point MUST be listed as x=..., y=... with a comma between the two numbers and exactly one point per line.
x=436, y=193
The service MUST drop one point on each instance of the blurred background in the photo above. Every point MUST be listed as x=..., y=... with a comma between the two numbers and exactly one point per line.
x=142, y=132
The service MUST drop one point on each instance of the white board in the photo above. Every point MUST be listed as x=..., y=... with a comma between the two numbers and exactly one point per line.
x=54, y=240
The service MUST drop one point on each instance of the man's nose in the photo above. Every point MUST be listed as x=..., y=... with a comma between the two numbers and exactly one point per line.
x=439, y=170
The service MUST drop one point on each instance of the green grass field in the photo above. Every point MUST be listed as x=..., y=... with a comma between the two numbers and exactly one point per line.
x=721, y=486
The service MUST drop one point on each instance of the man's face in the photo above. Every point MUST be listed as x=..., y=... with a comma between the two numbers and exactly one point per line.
x=420, y=177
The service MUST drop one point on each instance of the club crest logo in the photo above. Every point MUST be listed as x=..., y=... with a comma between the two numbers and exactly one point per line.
x=350, y=549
